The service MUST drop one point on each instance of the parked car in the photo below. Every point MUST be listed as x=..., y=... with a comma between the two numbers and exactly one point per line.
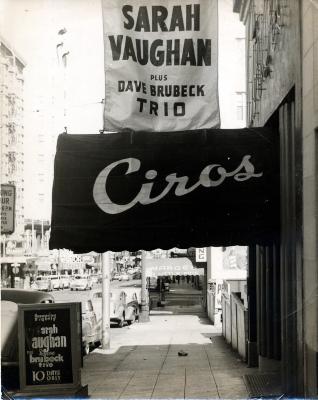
x=10, y=298
x=25, y=296
x=124, y=277
x=91, y=326
x=132, y=305
x=116, y=277
x=56, y=282
x=118, y=307
x=65, y=281
x=43, y=283
x=81, y=282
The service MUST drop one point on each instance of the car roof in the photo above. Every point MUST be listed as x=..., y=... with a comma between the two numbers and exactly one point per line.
x=25, y=296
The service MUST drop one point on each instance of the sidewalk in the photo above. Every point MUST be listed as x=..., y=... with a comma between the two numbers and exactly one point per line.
x=143, y=361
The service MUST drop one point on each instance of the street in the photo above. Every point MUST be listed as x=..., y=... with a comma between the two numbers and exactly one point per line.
x=178, y=301
x=68, y=295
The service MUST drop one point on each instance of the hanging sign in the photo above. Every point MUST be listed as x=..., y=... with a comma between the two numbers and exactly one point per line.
x=7, y=208
x=160, y=65
x=145, y=191
x=201, y=254
x=171, y=266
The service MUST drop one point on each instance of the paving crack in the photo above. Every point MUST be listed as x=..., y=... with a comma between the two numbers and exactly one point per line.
x=217, y=389
x=123, y=391
x=164, y=360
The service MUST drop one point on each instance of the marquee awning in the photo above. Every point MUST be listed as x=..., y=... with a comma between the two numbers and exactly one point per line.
x=143, y=191
x=181, y=266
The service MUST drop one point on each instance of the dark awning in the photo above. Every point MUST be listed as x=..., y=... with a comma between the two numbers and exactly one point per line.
x=132, y=191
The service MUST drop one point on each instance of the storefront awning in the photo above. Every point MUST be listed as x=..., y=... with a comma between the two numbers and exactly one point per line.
x=143, y=191
x=181, y=266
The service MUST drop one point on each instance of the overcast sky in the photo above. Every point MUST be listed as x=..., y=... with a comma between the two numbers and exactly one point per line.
x=31, y=27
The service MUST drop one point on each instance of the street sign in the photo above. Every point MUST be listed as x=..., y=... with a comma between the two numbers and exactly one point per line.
x=200, y=254
x=7, y=208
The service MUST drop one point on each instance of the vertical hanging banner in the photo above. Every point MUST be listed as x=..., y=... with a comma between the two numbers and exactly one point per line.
x=160, y=65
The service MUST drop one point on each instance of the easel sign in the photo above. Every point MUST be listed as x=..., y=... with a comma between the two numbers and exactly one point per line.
x=49, y=347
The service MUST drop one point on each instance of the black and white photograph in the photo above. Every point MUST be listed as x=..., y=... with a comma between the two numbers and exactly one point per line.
x=159, y=199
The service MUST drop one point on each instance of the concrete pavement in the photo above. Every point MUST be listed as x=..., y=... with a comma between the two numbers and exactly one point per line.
x=143, y=361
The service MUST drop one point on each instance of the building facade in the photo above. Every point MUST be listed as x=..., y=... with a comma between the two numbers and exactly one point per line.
x=12, y=127
x=282, y=92
x=12, y=149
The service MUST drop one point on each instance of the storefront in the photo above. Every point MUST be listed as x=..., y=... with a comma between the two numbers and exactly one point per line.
x=14, y=271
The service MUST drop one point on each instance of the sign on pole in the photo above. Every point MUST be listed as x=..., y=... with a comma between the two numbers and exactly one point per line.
x=200, y=254
x=160, y=65
x=7, y=208
x=49, y=347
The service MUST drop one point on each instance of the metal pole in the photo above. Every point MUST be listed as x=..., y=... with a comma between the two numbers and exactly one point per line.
x=106, y=300
x=144, y=313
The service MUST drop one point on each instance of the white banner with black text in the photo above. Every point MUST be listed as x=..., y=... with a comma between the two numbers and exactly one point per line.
x=160, y=65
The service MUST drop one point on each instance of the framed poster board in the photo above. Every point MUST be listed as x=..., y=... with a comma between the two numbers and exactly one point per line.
x=49, y=346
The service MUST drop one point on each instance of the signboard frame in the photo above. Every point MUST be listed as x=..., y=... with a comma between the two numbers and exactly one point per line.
x=11, y=228
x=73, y=347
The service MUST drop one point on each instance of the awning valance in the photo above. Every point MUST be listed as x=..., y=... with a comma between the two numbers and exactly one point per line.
x=181, y=266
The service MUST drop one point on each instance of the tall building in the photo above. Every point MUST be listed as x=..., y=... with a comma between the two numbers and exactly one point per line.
x=231, y=68
x=12, y=137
